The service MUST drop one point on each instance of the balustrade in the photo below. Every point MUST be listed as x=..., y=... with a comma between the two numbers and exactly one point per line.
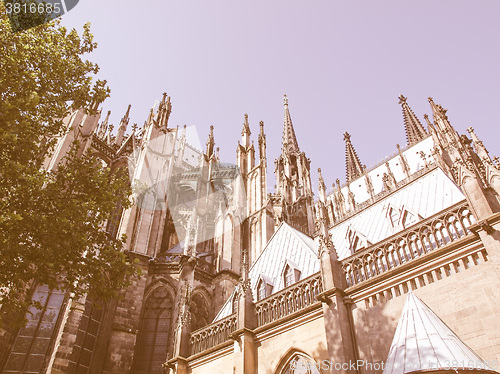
x=290, y=300
x=213, y=334
x=419, y=239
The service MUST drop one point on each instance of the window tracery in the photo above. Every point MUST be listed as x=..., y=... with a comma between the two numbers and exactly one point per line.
x=154, y=333
x=300, y=364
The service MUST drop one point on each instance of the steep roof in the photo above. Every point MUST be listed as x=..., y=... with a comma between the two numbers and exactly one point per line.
x=423, y=198
x=423, y=341
x=287, y=245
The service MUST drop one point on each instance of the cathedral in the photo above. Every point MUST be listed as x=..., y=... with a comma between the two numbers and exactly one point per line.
x=395, y=271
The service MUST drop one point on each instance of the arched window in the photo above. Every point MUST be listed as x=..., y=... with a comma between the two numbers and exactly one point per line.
x=154, y=333
x=300, y=364
x=261, y=290
x=234, y=303
x=408, y=219
x=86, y=338
x=199, y=312
x=31, y=347
x=289, y=276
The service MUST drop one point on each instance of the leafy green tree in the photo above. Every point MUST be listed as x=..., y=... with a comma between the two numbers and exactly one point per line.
x=51, y=224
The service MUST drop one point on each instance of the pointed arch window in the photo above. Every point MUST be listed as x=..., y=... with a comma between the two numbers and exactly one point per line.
x=300, y=363
x=356, y=240
x=289, y=276
x=81, y=360
x=261, y=290
x=199, y=312
x=408, y=218
x=154, y=333
x=393, y=214
x=264, y=287
x=31, y=348
x=234, y=303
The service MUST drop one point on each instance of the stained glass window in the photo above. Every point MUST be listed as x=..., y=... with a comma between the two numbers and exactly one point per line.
x=289, y=276
x=30, y=352
x=300, y=364
x=86, y=338
x=154, y=333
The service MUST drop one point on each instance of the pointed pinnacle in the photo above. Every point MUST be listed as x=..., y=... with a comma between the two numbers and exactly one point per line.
x=354, y=168
x=210, y=141
x=289, y=139
x=415, y=132
x=246, y=126
x=321, y=180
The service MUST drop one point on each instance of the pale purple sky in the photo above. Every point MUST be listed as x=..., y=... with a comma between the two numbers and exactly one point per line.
x=342, y=64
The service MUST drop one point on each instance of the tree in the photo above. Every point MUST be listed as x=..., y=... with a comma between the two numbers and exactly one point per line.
x=51, y=224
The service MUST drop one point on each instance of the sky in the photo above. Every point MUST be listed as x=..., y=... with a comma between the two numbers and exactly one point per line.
x=342, y=65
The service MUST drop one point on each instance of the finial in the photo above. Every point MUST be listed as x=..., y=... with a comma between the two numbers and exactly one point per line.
x=402, y=99
x=347, y=137
x=246, y=127
x=285, y=100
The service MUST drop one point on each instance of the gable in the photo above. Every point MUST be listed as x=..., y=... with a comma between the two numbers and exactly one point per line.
x=424, y=197
x=286, y=246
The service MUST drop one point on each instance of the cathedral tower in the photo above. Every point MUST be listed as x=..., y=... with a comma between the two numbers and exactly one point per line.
x=293, y=200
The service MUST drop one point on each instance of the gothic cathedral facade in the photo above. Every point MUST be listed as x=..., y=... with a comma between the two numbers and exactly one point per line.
x=397, y=270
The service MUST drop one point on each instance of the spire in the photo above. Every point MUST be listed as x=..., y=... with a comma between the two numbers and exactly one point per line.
x=210, y=142
x=104, y=126
x=246, y=126
x=164, y=110
x=289, y=139
x=478, y=145
x=415, y=132
x=353, y=165
x=423, y=342
x=404, y=163
x=322, y=187
x=262, y=141
x=107, y=137
x=245, y=133
x=368, y=182
x=123, y=127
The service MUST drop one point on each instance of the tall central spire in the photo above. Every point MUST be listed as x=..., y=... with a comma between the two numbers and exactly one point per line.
x=289, y=139
x=353, y=165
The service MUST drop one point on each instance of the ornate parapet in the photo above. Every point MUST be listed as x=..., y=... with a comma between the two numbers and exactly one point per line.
x=427, y=235
x=213, y=334
x=290, y=300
